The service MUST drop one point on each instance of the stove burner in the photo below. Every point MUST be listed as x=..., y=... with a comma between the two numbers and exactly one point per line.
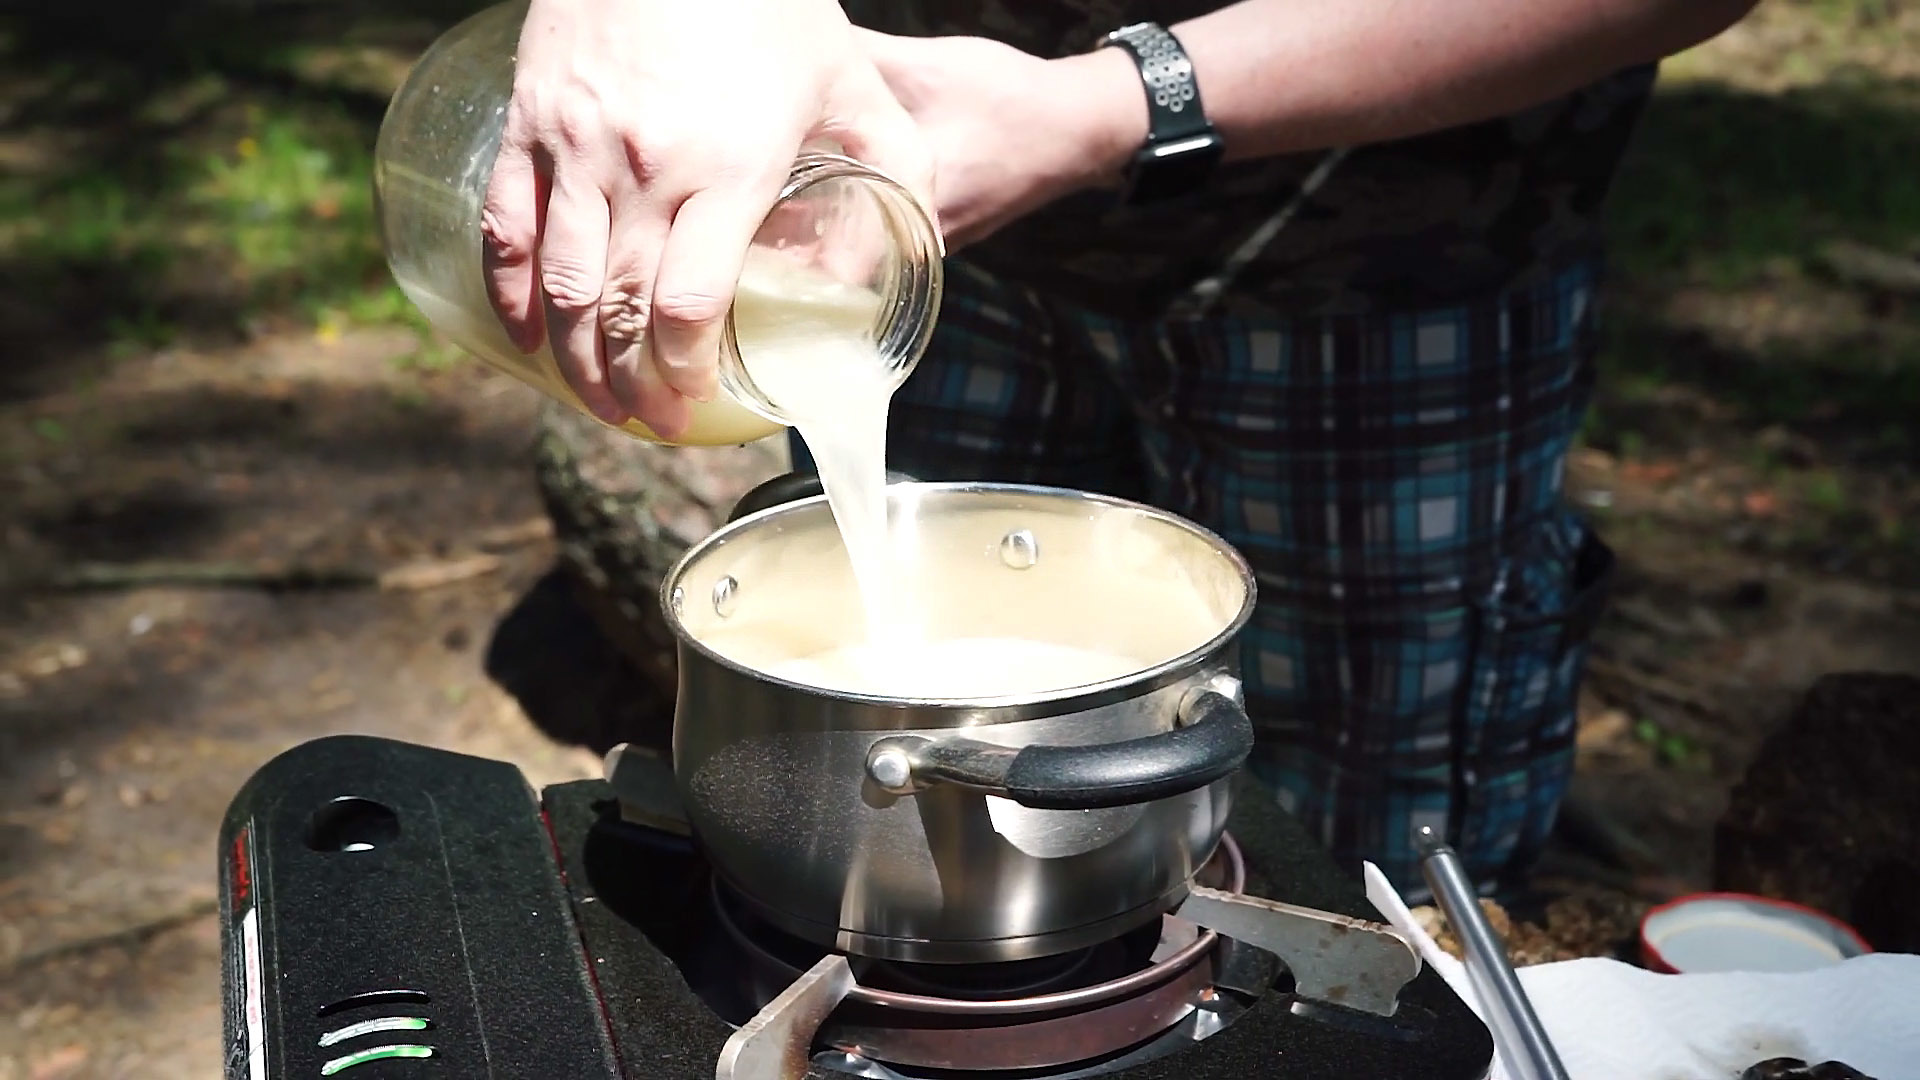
x=1045, y=1012
x=992, y=982
x=569, y=939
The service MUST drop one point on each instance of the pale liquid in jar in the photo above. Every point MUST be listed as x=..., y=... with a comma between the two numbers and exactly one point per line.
x=470, y=323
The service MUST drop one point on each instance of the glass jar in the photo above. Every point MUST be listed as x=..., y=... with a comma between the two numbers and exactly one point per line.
x=839, y=225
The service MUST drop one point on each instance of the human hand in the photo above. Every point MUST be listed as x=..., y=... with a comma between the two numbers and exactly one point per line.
x=644, y=145
x=1011, y=132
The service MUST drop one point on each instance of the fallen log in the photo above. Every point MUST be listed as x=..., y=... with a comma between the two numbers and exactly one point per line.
x=623, y=512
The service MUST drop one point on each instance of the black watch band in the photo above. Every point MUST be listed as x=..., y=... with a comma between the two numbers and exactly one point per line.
x=1182, y=148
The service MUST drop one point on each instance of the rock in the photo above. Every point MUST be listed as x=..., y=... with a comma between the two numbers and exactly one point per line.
x=1825, y=815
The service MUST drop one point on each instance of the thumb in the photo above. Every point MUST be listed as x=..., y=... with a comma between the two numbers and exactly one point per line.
x=877, y=131
x=891, y=55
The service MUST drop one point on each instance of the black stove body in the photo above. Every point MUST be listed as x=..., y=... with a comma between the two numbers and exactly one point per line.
x=394, y=911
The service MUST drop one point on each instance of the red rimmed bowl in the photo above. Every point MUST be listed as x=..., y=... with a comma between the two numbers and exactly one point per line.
x=1721, y=932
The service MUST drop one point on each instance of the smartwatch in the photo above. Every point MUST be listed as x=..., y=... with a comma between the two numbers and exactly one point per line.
x=1182, y=148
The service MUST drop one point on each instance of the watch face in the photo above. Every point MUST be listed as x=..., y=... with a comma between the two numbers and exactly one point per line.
x=1175, y=168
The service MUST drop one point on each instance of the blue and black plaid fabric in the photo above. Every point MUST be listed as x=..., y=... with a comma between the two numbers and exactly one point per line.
x=1395, y=480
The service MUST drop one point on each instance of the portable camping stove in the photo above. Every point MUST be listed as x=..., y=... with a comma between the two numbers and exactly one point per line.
x=398, y=911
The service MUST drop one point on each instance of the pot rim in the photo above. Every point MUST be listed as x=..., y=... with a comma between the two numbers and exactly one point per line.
x=1052, y=702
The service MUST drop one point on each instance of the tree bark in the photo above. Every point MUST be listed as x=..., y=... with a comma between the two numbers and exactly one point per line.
x=1826, y=816
x=623, y=512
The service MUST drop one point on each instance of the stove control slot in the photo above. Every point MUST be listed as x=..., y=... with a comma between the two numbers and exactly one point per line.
x=375, y=997
x=403, y=1029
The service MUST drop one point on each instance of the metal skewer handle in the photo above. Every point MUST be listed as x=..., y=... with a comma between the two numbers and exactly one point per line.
x=1517, y=1032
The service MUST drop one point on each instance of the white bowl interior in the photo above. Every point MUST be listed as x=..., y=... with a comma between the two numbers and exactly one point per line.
x=1712, y=934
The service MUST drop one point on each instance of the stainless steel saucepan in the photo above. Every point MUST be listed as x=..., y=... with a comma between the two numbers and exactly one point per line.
x=961, y=831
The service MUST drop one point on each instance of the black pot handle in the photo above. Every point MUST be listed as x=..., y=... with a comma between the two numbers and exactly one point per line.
x=790, y=487
x=785, y=488
x=1213, y=739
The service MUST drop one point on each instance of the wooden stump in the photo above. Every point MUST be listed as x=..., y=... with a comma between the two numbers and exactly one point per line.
x=623, y=511
x=1829, y=813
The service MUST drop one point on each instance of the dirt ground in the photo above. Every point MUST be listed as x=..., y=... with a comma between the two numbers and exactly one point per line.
x=129, y=718
x=1750, y=459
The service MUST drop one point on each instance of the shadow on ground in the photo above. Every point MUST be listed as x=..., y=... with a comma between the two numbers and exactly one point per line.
x=550, y=655
x=1745, y=194
x=1724, y=182
x=230, y=469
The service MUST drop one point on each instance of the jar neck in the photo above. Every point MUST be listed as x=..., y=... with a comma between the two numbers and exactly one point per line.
x=909, y=279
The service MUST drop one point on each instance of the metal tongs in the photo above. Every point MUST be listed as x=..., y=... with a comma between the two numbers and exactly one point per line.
x=1517, y=1033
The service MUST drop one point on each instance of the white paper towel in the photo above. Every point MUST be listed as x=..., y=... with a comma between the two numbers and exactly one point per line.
x=1614, y=1021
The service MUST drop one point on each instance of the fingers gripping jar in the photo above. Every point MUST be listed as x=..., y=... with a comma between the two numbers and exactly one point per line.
x=843, y=240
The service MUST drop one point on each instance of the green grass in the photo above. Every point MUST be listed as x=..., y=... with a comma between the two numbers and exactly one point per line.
x=1852, y=14
x=1824, y=493
x=1746, y=169
x=277, y=217
x=1865, y=393
x=1727, y=186
x=188, y=173
x=290, y=203
x=1752, y=160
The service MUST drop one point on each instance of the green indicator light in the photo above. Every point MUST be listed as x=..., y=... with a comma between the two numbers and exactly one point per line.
x=377, y=1053
x=368, y=1027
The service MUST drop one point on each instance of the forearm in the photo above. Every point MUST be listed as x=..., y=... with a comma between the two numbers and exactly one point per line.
x=1289, y=75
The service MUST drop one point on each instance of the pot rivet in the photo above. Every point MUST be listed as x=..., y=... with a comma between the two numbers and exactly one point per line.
x=724, y=591
x=891, y=768
x=1019, y=549
x=678, y=601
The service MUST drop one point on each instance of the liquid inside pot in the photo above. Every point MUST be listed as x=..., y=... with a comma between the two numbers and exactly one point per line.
x=971, y=667
x=999, y=591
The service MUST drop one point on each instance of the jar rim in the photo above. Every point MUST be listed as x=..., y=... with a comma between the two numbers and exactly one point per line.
x=906, y=328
